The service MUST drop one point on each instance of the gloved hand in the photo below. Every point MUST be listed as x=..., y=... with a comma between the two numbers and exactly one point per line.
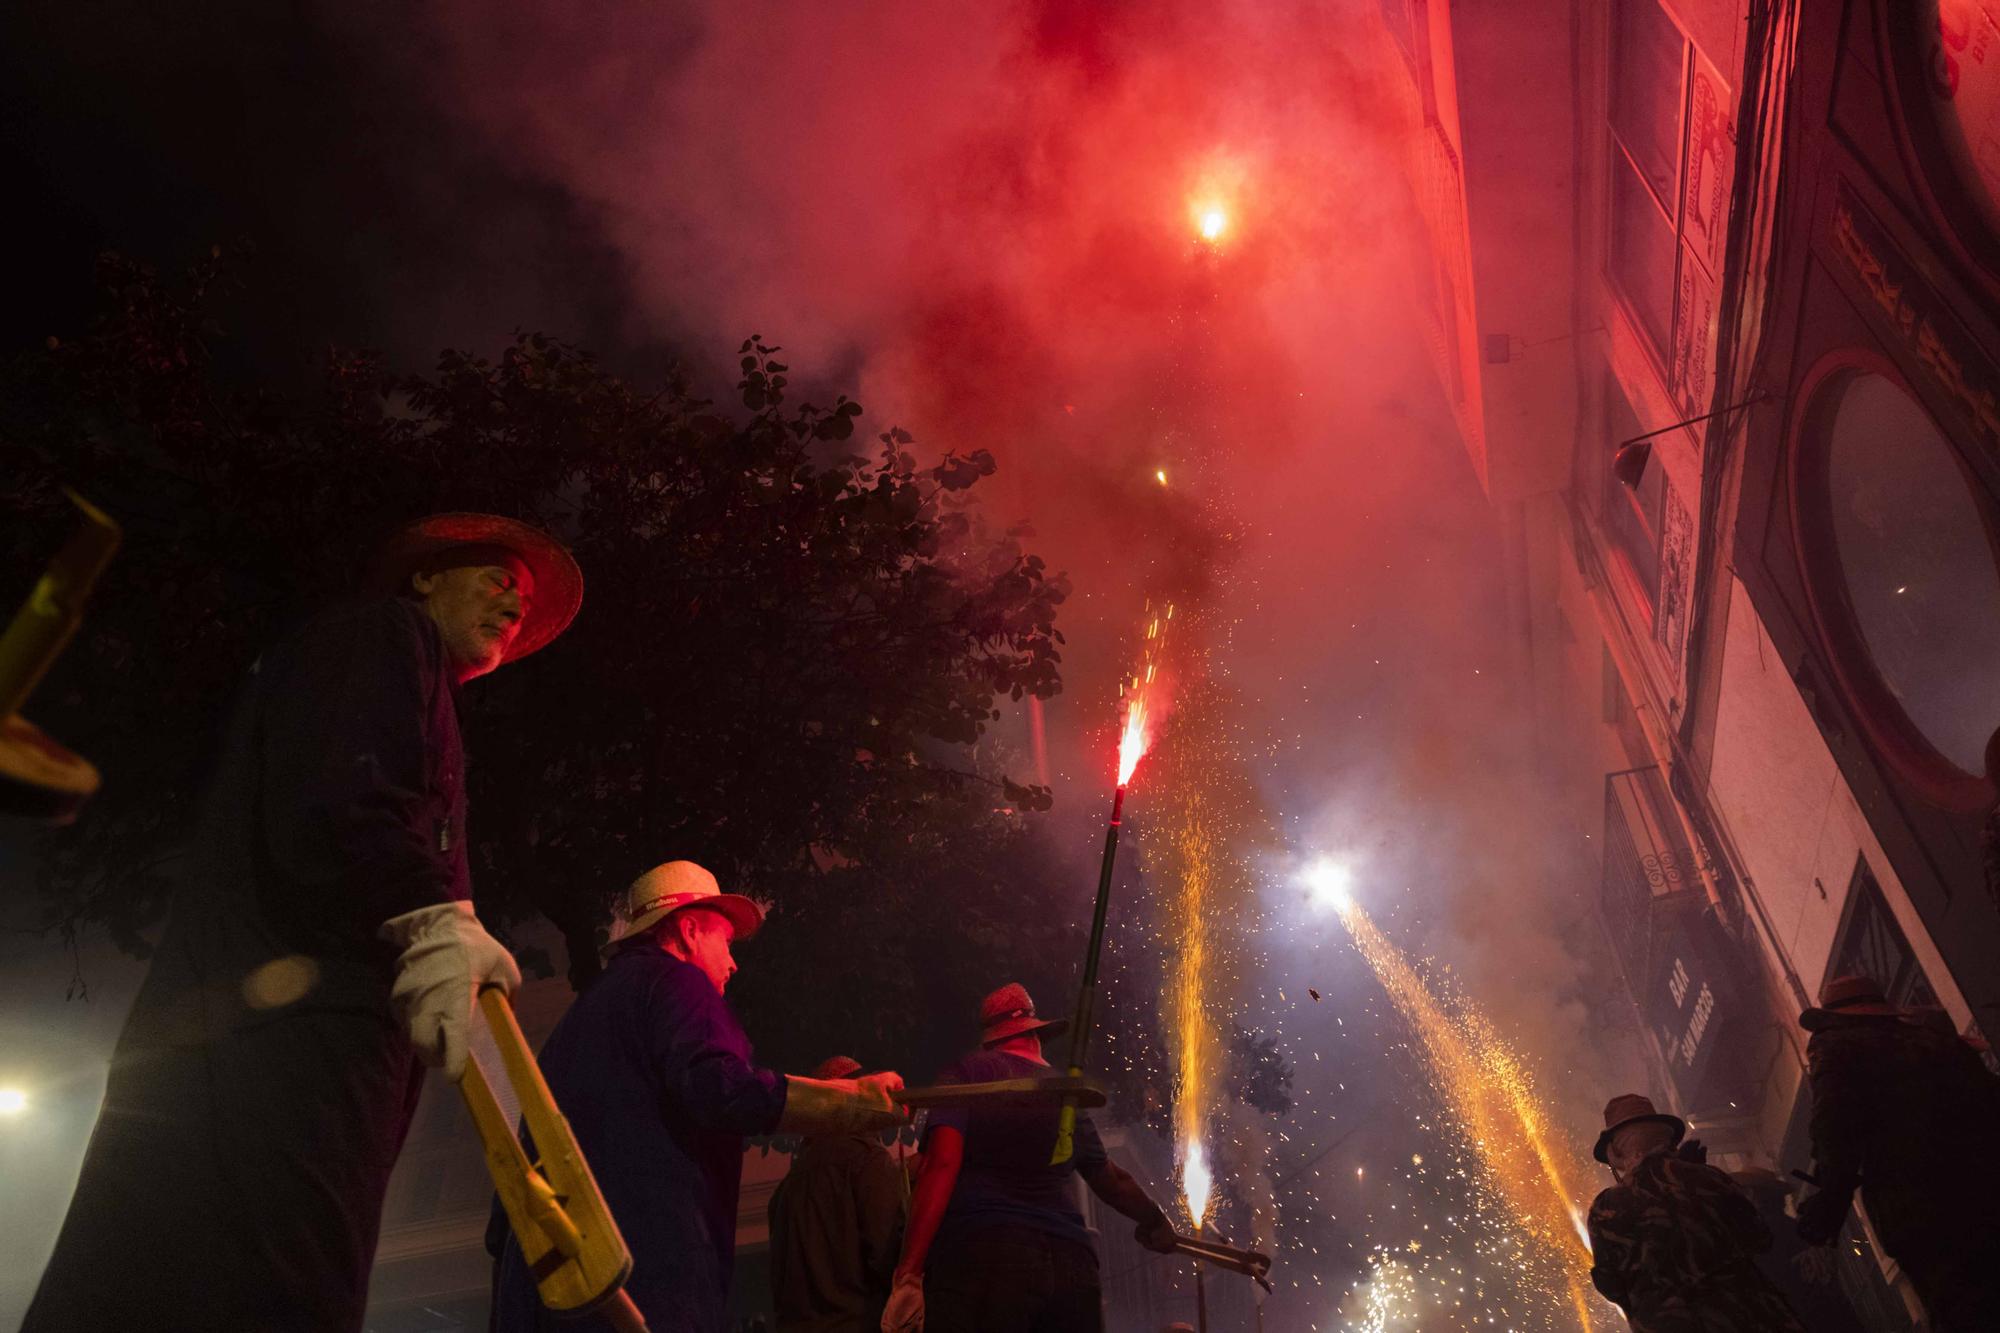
x=1821, y=1215
x=842, y=1105
x=905, y=1310
x=1694, y=1150
x=446, y=957
x=1156, y=1233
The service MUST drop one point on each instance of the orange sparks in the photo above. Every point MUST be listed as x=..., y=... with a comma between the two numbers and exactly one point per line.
x=1142, y=708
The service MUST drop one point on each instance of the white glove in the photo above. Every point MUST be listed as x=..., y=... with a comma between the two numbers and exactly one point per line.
x=905, y=1311
x=842, y=1105
x=447, y=956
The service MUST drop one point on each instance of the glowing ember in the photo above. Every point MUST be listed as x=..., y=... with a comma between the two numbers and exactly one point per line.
x=1197, y=1181
x=1160, y=476
x=1212, y=223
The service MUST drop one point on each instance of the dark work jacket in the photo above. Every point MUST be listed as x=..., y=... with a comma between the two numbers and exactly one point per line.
x=1909, y=1113
x=654, y=1075
x=1675, y=1247
x=1004, y=1176
x=836, y=1233
x=260, y=1090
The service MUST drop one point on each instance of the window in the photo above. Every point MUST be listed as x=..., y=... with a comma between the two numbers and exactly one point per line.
x=1904, y=567
x=1872, y=945
x=1647, y=58
x=1632, y=517
x=1648, y=92
x=1672, y=154
x=1642, y=256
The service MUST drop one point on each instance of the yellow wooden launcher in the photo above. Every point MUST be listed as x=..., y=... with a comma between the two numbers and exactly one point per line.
x=567, y=1235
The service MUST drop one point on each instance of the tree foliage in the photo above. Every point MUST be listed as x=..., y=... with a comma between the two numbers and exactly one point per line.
x=785, y=667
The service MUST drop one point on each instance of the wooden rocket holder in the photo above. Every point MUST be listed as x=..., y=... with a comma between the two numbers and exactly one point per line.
x=1054, y=1090
x=39, y=778
x=566, y=1232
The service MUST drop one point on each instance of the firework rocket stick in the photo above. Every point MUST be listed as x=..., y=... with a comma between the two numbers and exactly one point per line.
x=1079, y=1032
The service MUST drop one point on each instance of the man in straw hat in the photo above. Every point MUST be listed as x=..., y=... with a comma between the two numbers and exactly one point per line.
x=1906, y=1113
x=836, y=1228
x=655, y=1076
x=321, y=950
x=1674, y=1242
x=995, y=1239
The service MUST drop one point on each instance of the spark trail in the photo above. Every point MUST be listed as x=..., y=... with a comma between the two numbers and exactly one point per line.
x=1487, y=1094
x=1197, y=1043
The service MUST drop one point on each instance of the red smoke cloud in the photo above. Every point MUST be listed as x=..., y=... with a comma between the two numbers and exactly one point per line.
x=983, y=216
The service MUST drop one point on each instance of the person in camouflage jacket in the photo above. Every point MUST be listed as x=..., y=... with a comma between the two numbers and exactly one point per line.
x=1673, y=1243
x=1905, y=1111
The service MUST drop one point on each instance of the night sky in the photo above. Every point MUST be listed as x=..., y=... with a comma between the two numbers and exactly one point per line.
x=981, y=221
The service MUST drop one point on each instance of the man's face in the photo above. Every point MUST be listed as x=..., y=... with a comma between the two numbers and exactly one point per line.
x=705, y=938
x=478, y=610
x=1634, y=1143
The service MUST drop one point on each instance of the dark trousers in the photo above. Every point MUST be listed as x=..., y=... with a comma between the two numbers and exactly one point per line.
x=1012, y=1279
x=235, y=1184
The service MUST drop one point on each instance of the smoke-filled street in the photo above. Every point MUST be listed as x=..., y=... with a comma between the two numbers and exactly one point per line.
x=1257, y=666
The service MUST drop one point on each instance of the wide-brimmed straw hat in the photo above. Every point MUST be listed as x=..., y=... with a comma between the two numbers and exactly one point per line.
x=1848, y=997
x=1009, y=1012
x=837, y=1066
x=1633, y=1108
x=558, y=590
x=676, y=887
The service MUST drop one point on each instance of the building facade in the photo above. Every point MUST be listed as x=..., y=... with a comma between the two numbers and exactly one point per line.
x=1721, y=284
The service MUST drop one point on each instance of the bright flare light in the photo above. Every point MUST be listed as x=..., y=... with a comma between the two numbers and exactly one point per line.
x=1212, y=223
x=1196, y=1183
x=1331, y=884
x=12, y=1101
x=1132, y=742
x=1160, y=476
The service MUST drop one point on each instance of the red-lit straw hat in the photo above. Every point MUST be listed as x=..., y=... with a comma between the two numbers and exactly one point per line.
x=1848, y=997
x=1009, y=1012
x=675, y=887
x=1633, y=1108
x=558, y=588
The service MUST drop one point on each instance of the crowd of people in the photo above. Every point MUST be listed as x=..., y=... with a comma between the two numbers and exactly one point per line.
x=325, y=950
x=1904, y=1111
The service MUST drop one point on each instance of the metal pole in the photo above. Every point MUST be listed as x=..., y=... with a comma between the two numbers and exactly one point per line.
x=1080, y=1019
x=1200, y=1301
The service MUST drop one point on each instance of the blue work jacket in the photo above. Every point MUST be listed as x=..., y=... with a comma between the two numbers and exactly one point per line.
x=655, y=1076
